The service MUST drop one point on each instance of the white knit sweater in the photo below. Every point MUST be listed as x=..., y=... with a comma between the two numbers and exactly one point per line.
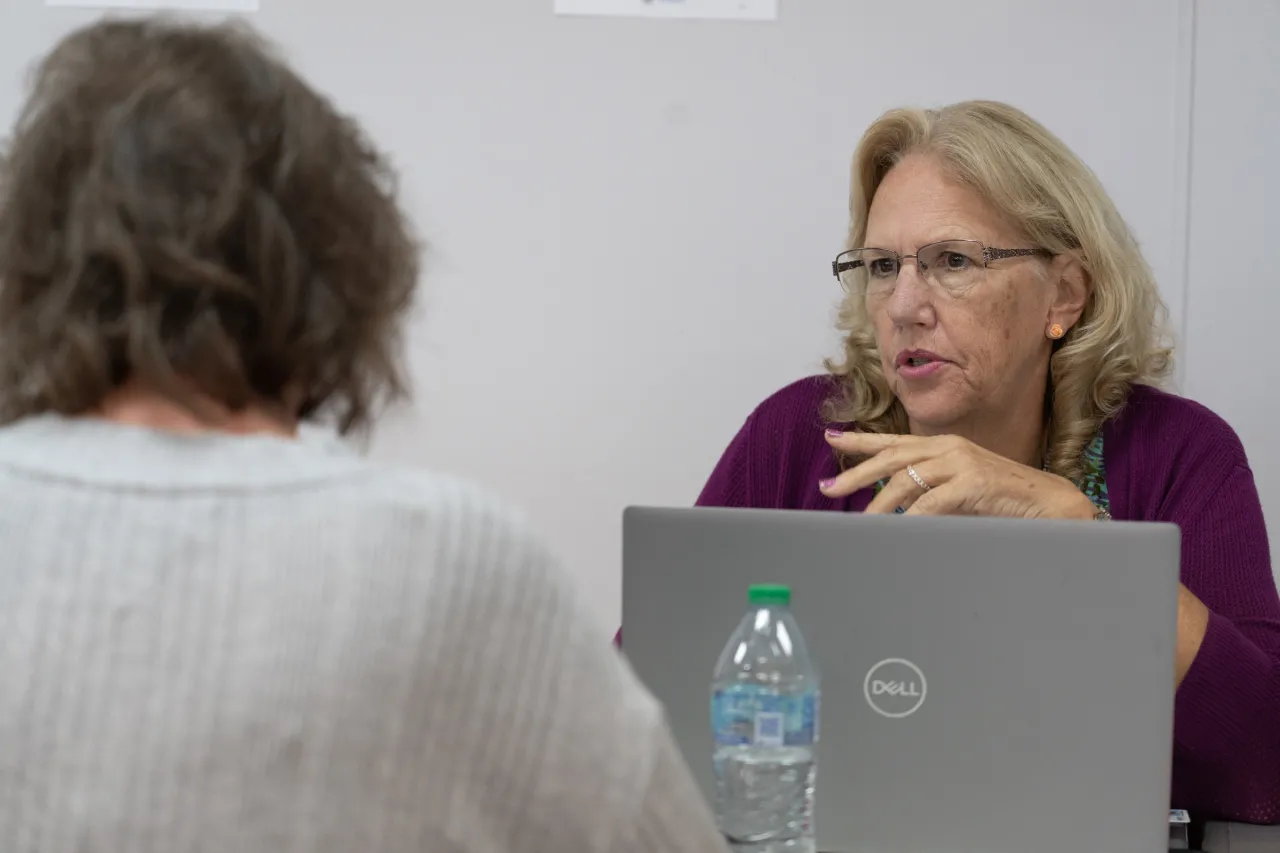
x=250, y=645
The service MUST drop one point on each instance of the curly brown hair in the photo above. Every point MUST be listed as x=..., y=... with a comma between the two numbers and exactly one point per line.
x=179, y=208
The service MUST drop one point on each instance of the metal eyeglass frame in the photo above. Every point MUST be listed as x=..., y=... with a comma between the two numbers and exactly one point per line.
x=988, y=255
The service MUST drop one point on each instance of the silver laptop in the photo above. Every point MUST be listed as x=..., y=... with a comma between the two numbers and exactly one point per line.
x=1043, y=653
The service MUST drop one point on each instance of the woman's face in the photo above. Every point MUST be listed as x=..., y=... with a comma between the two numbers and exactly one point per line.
x=956, y=359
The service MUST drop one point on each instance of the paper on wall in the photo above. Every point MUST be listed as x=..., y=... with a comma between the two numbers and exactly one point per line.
x=160, y=5
x=751, y=10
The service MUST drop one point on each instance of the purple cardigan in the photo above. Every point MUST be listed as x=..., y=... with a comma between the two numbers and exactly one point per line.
x=1168, y=459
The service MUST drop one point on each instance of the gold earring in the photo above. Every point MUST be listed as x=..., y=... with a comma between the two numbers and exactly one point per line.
x=1056, y=331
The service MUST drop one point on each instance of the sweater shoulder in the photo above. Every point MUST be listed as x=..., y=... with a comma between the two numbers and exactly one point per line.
x=1167, y=426
x=468, y=516
x=795, y=406
x=778, y=454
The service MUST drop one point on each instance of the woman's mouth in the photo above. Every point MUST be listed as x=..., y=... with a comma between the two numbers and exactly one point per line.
x=919, y=364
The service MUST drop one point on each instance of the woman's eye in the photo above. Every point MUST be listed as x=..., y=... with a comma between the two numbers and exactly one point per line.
x=956, y=261
x=883, y=267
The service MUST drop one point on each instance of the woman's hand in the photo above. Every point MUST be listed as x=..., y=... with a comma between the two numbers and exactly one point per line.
x=1193, y=624
x=964, y=479
x=961, y=479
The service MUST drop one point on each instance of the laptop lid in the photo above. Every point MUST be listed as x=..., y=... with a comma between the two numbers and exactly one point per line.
x=1043, y=653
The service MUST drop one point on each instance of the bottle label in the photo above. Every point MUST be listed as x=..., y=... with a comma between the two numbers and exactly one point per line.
x=753, y=715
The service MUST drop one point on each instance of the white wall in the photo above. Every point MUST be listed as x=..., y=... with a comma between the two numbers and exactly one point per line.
x=1233, y=302
x=631, y=221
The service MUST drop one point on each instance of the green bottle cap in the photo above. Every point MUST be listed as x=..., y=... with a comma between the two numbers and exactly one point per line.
x=766, y=594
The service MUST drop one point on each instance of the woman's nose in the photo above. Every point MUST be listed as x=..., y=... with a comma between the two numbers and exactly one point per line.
x=912, y=299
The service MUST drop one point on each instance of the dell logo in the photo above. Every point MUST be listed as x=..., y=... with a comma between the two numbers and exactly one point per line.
x=895, y=688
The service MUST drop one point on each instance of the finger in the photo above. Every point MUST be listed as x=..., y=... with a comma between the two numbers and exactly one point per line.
x=902, y=491
x=861, y=476
x=879, y=467
x=868, y=443
x=951, y=498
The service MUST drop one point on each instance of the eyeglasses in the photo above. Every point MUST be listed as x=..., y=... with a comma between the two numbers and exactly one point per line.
x=952, y=266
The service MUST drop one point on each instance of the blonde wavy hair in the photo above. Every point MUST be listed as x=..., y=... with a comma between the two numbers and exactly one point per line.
x=1030, y=176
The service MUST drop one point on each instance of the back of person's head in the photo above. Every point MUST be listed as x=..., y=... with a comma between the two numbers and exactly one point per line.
x=179, y=208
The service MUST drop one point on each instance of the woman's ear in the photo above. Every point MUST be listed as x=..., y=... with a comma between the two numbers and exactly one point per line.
x=1072, y=287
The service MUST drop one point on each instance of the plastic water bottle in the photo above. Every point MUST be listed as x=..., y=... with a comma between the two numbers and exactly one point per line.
x=764, y=716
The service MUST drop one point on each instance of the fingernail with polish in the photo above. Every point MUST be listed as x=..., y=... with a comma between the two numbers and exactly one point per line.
x=832, y=432
x=826, y=484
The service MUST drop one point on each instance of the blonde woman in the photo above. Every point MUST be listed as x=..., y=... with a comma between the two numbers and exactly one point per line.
x=1003, y=333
